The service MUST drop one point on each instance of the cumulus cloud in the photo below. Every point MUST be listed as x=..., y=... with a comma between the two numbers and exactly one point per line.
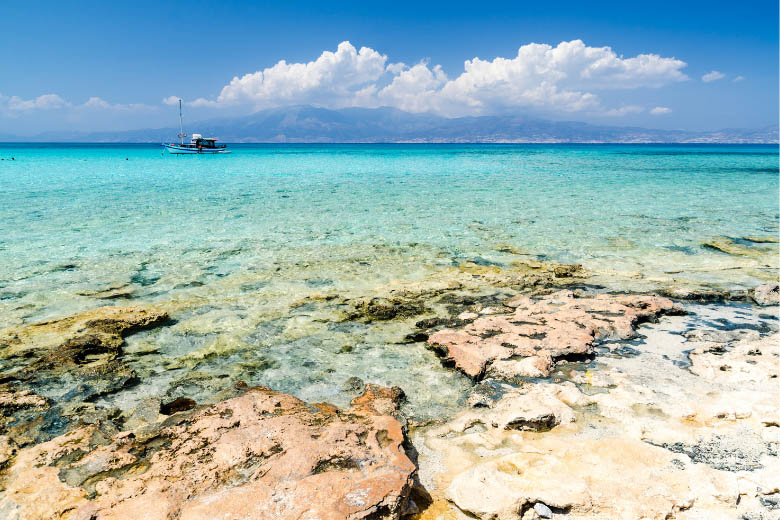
x=43, y=102
x=659, y=111
x=332, y=79
x=560, y=78
x=738, y=79
x=712, y=76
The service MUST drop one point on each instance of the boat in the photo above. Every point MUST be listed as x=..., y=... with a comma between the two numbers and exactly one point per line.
x=197, y=145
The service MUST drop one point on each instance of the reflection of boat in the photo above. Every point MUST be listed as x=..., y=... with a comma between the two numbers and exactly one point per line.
x=197, y=144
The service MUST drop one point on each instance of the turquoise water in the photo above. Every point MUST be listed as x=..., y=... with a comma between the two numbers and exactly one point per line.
x=233, y=240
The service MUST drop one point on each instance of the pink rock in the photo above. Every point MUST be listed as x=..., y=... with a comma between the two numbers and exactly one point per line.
x=553, y=326
x=262, y=455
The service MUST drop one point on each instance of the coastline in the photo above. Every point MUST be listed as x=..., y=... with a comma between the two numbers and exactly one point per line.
x=616, y=349
x=595, y=420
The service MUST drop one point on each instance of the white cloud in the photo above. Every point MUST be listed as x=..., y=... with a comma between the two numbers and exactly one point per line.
x=171, y=100
x=738, y=79
x=44, y=102
x=560, y=78
x=712, y=76
x=96, y=102
x=17, y=105
x=659, y=111
x=624, y=111
x=332, y=79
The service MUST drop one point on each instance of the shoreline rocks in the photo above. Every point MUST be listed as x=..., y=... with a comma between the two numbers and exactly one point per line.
x=543, y=329
x=80, y=356
x=767, y=294
x=261, y=455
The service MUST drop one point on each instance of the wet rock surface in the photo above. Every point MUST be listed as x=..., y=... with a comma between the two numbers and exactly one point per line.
x=260, y=455
x=78, y=357
x=638, y=437
x=543, y=329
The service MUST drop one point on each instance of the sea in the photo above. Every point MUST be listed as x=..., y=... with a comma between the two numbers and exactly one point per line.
x=246, y=250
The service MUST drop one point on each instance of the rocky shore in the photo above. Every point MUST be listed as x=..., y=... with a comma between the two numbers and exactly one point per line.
x=582, y=402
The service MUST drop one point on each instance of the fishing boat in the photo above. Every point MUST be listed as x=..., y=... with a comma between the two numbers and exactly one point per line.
x=197, y=145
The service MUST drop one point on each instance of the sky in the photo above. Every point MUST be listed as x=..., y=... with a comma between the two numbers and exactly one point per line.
x=90, y=66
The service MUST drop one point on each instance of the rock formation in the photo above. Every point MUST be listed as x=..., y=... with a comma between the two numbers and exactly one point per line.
x=540, y=330
x=261, y=455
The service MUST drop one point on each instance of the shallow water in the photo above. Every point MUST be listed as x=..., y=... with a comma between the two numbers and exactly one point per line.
x=234, y=240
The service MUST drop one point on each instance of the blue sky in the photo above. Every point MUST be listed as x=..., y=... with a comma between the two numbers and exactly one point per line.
x=101, y=65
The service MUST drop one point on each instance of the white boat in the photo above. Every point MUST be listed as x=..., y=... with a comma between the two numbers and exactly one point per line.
x=197, y=145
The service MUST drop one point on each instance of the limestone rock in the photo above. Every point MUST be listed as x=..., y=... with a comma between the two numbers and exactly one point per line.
x=104, y=327
x=699, y=295
x=730, y=247
x=558, y=325
x=535, y=407
x=261, y=455
x=767, y=294
x=604, y=478
x=80, y=355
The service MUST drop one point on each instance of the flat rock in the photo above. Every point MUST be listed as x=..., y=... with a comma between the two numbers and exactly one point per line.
x=261, y=455
x=767, y=294
x=535, y=407
x=107, y=324
x=558, y=325
x=589, y=478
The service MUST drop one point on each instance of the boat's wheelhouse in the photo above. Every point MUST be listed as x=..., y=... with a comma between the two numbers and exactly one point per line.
x=205, y=143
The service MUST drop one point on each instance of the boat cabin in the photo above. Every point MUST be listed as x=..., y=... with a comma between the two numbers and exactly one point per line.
x=199, y=141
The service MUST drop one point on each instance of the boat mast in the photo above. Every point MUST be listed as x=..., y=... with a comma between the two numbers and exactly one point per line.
x=182, y=135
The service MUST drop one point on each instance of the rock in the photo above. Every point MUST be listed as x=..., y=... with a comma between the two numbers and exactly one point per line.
x=80, y=356
x=124, y=291
x=536, y=407
x=698, y=295
x=180, y=404
x=354, y=385
x=554, y=326
x=11, y=399
x=261, y=455
x=762, y=240
x=750, y=360
x=104, y=328
x=532, y=366
x=542, y=510
x=730, y=247
x=384, y=309
x=6, y=450
x=721, y=336
x=589, y=478
x=767, y=294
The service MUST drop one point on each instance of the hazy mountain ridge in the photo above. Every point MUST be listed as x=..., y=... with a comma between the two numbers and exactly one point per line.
x=306, y=124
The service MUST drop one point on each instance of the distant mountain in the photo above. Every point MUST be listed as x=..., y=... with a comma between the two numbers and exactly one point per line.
x=306, y=124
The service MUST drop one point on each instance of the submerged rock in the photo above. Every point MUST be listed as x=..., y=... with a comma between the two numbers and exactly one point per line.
x=731, y=247
x=559, y=325
x=261, y=455
x=80, y=356
x=383, y=309
x=104, y=327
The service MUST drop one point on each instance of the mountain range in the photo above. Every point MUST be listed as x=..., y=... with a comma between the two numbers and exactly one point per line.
x=307, y=124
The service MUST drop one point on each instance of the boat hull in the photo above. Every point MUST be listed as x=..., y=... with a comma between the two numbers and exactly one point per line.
x=179, y=150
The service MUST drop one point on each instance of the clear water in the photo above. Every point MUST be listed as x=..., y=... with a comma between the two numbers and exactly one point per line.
x=228, y=242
